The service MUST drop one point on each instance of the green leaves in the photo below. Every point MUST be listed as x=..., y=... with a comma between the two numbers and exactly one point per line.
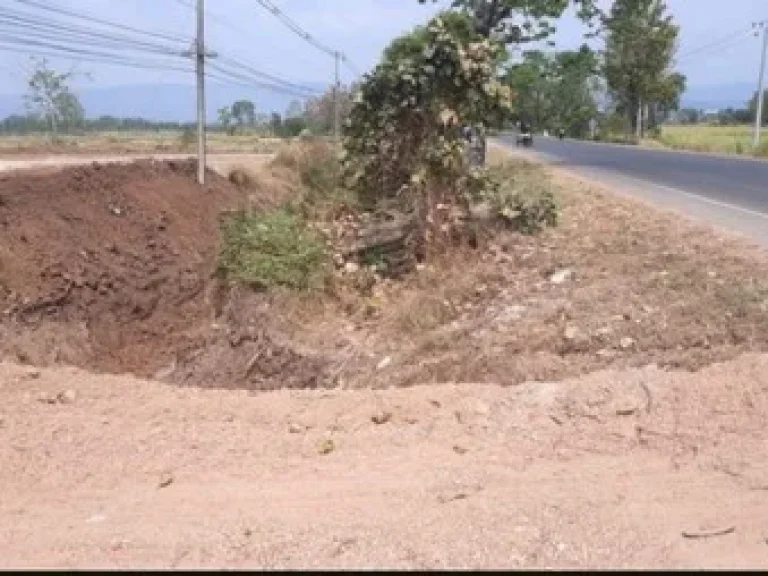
x=640, y=47
x=49, y=97
x=518, y=21
x=410, y=109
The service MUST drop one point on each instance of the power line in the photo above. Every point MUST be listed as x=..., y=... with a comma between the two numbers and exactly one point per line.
x=51, y=30
x=255, y=81
x=89, y=56
x=295, y=27
x=216, y=18
x=259, y=74
x=93, y=20
x=730, y=39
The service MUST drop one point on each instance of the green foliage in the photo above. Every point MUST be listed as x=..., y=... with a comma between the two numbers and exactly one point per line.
x=187, y=138
x=404, y=130
x=522, y=196
x=272, y=249
x=319, y=170
x=516, y=21
x=640, y=49
x=49, y=97
x=291, y=127
x=225, y=119
x=244, y=112
x=556, y=91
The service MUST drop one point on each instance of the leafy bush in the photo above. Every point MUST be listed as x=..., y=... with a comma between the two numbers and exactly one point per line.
x=187, y=138
x=522, y=196
x=272, y=249
x=318, y=167
x=404, y=131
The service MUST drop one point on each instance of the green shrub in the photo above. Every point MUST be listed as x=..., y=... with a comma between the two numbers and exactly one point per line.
x=523, y=198
x=187, y=138
x=272, y=249
x=319, y=171
x=762, y=150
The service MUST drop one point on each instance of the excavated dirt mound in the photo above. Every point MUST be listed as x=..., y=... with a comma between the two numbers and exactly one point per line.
x=111, y=267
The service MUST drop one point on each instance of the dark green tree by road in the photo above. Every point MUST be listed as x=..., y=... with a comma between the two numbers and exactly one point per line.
x=641, y=39
x=556, y=91
x=244, y=112
x=517, y=21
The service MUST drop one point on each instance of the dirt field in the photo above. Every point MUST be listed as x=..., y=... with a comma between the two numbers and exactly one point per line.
x=528, y=403
x=632, y=469
x=133, y=142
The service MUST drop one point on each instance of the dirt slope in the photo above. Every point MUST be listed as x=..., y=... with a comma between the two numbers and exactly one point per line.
x=619, y=469
x=113, y=259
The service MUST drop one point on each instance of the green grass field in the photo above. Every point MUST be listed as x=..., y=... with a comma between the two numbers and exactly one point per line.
x=719, y=139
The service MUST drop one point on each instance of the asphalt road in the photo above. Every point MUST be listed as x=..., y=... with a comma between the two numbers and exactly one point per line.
x=731, y=193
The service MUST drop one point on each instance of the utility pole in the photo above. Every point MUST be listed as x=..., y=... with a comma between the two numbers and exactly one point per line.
x=761, y=83
x=336, y=98
x=200, y=55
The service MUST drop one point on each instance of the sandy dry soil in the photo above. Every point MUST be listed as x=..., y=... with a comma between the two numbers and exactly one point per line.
x=218, y=162
x=595, y=396
x=635, y=469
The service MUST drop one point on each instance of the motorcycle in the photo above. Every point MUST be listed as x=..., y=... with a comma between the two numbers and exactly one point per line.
x=525, y=138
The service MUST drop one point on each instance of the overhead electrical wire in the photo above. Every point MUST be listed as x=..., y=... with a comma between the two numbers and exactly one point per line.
x=295, y=27
x=32, y=33
x=93, y=20
x=728, y=40
x=51, y=30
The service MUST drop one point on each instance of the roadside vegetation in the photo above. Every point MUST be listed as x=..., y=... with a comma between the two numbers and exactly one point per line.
x=709, y=138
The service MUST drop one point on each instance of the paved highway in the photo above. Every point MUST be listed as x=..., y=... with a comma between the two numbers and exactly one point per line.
x=728, y=192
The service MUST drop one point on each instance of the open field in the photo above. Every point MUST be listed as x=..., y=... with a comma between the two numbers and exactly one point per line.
x=719, y=139
x=134, y=142
x=592, y=396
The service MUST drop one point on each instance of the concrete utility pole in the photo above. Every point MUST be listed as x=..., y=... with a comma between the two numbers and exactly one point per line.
x=200, y=59
x=761, y=83
x=199, y=53
x=336, y=99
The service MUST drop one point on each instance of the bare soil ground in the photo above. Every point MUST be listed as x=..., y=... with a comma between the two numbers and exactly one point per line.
x=622, y=469
x=132, y=142
x=655, y=459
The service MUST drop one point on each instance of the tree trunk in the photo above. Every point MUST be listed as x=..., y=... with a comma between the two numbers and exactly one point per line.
x=639, y=126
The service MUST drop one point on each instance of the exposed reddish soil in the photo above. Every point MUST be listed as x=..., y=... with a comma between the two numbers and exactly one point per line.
x=115, y=259
x=111, y=268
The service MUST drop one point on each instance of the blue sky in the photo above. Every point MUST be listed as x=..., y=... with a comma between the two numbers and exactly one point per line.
x=362, y=28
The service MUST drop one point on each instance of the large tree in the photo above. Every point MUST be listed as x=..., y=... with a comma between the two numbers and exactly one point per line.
x=516, y=21
x=50, y=98
x=320, y=111
x=641, y=39
x=556, y=91
x=244, y=112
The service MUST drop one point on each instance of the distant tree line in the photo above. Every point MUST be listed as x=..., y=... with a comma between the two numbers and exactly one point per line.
x=52, y=107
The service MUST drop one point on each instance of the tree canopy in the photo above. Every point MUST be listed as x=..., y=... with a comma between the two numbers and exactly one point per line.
x=640, y=47
x=517, y=21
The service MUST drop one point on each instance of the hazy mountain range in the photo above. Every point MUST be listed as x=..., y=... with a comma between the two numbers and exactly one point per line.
x=176, y=103
x=169, y=102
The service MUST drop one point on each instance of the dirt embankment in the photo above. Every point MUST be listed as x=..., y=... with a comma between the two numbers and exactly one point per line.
x=112, y=268
x=105, y=266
